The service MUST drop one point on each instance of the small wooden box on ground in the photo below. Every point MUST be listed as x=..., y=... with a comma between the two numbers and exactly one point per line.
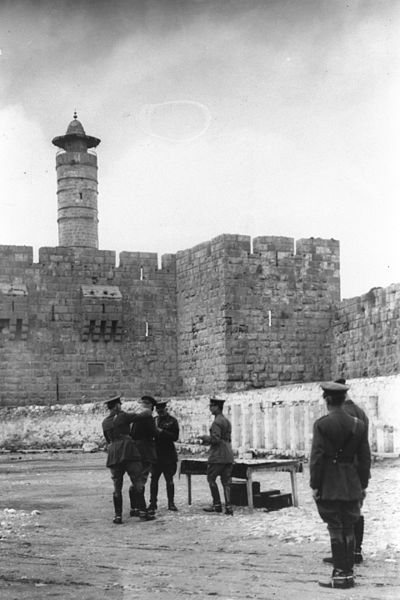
x=273, y=501
x=239, y=492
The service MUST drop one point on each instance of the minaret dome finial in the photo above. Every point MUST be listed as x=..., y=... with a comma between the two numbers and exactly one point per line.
x=75, y=115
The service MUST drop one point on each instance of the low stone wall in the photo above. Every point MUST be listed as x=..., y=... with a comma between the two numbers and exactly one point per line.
x=268, y=421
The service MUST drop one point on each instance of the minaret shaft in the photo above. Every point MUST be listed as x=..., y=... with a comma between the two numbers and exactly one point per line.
x=77, y=188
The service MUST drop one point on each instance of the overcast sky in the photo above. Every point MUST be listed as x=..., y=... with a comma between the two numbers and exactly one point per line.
x=236, y=116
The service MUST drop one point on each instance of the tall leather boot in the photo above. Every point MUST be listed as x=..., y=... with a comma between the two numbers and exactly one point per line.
x=153, y=494
x=359, y=535
x=340, y=577
x=134, y=512
x=170, y=496
x=349, y=550
x=117, y=500
x=216, y=498
x=144, y=514
x=227, y=495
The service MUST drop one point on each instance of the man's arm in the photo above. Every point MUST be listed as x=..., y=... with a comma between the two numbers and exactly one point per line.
x=364, y=460
x=316, y=460
x=171, y=431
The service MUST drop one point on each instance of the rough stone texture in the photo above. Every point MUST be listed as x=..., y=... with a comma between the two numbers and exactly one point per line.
x=366, y=334
x=223, y=316
x=58, y=345
x=274, y=421
x=255, y=318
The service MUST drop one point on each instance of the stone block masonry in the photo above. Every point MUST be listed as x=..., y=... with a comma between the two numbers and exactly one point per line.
x=74, y=327
x=255, y=318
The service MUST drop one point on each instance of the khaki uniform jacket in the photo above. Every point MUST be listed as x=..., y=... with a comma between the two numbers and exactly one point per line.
x=144, y=433
x=340, y=458
x=220, y=441
x=116, y=429
x=165, y=447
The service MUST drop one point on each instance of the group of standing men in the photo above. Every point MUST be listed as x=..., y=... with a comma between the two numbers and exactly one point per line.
x=141, y=445
x=340, y=464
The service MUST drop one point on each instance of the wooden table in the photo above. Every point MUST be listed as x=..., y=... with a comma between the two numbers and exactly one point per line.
x=243, y=469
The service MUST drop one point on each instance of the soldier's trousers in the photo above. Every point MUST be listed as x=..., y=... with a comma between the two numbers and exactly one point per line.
x=224, y=471
x=134, y=470
x=340, y=517
x=168, y=470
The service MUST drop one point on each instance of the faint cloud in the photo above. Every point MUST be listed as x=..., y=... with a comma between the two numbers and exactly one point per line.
x=177, y=120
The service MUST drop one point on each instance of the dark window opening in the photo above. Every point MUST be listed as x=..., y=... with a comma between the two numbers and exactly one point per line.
x=96, y=370
x=4, y=324
x=18, y=329
x=113, y=328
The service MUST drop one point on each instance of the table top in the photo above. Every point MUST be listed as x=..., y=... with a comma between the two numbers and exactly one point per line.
x=198, y=466
x=251, y=462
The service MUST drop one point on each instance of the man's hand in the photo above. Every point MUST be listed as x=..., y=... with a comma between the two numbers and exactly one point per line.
x=316, y=495
x=364, y=493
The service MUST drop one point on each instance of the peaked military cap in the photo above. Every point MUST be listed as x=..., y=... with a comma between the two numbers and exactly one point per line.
x=111, y=402
x=161, y=403
x=218, y=401
x=150, y=399
x=333, y=386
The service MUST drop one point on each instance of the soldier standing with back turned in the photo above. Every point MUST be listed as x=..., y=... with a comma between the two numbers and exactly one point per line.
x=123, y=455
x=339, y=472
x=355, y=411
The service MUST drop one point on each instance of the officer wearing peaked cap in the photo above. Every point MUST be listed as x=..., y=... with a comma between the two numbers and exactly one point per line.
x=220, y=457
x=167, y=457
x=122, y=454
x=340, y=463
x=144, y=433
x=355, y=411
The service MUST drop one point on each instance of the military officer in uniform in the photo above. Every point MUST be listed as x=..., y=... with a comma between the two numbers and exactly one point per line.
x=167, y=458
x=355, y=411
x=122, y=454
x=339, y=472
x=220, y=457
x=144, y=433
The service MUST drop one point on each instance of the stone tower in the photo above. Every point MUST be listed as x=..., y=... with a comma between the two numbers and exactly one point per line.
x=77, y=187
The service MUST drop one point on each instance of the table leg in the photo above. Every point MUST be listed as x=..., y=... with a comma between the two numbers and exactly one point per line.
x=249, y=484
x=189, y=487
x=294, y=486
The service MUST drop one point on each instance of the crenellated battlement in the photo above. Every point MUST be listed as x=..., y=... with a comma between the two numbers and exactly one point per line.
x=228, y=314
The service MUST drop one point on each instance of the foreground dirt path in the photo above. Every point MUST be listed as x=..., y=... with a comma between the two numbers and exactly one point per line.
x=72, y=550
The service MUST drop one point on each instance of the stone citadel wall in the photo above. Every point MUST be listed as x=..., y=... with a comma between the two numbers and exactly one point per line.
x=74, y=327
x=366, y=341
x=255, y=317
x=224, y=316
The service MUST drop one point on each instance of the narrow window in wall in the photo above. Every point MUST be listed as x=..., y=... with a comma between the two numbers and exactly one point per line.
x=141, y=274
x=12, y=306
x=269, y=318
x=102, y=328
x=18, y=329
x=113, y=329
x=92, y=325
x=103, y=308
x=53, y=318
x=4, y=324
x=146, y=329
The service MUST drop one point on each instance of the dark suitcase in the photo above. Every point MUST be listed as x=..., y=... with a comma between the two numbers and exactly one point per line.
x=239, y=492
x=272, y=501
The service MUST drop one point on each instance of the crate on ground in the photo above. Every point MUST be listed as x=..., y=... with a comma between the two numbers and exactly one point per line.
x=272, y=501
x=239, y=492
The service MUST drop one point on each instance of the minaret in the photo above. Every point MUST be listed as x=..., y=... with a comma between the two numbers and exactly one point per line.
x=77, y=187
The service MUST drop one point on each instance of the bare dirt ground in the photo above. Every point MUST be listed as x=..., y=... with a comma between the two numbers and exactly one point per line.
x=57, y=540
